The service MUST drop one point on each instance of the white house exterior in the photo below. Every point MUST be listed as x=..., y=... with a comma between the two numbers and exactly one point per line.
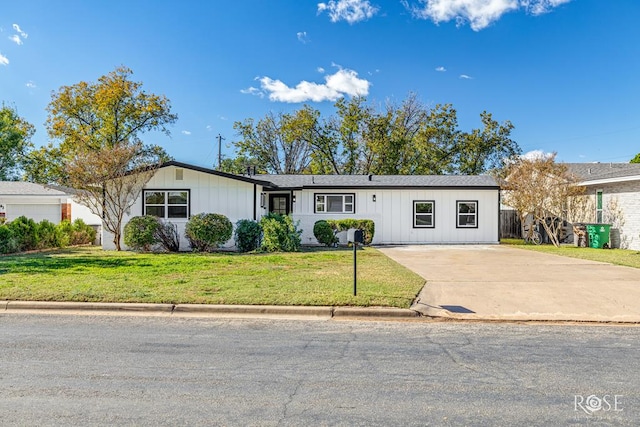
x=40, y=202
x=615, y=191
x=405, y=209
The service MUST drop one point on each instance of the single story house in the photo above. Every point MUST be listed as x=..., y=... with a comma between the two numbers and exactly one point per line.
x=615, y=192
x=405, y=209
x=40, y=202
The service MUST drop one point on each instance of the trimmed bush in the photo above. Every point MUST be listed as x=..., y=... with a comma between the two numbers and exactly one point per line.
x=366, y=225
x=207, y=231
x=76, y=233
x=280, y=233
x=8, y=241
x=25, y=231
x=324, y=233
x=140, y=233
x=247, y=235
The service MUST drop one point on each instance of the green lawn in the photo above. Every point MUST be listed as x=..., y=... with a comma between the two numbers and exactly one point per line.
x=614, y=256
x=311, y=277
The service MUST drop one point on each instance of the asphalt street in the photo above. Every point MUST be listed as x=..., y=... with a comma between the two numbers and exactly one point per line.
x=121, y=370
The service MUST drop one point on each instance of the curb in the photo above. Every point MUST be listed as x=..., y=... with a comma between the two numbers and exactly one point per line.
x=221, y=310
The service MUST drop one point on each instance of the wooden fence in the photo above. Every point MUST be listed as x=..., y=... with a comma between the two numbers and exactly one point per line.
x=510, y=225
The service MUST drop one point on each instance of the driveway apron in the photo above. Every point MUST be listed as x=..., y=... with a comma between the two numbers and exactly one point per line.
x=494, y=282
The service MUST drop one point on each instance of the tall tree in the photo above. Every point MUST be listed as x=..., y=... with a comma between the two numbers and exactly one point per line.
x=15, y=142
x=98, y=125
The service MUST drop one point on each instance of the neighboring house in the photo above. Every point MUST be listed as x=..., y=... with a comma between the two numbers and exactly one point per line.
x=615, y=191
x=40, y=202
x=405, y=209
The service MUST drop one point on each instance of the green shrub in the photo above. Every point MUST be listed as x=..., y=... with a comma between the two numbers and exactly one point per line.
x=280, y=233
x=324, y=233
x=247, y=235
x=8, y=241
x=207, y=231
x=366, y=225
x=25, y=231
x=48, y=235
x=140, y=233
x=76, y=233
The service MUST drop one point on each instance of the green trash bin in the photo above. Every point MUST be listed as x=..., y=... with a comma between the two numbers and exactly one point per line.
x=598, y=235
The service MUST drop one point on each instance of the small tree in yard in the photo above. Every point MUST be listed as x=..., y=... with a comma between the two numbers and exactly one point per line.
x=544, y=189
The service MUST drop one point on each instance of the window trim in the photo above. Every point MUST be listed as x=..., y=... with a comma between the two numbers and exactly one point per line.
x=433, y=214
x=166, y=204
x=458, y=213
x=343, y=212
x=599, y=210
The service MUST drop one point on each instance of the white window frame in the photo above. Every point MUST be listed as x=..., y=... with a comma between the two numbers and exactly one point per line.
x=320, y=203
x=165, y=205
x=459, y=214
x=599, y=210
x=431, y=214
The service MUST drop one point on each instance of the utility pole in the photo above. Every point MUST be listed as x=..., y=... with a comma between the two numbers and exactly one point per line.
x=220, y=138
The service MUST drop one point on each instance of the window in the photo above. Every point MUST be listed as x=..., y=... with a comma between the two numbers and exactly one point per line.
x=599, y=206
x=423, y=216
x=334, y=203
x=467, y=214
x=166, y=204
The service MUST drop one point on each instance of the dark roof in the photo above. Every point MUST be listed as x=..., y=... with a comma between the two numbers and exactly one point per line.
x=597, y=171
x=20, y=188
x=379, y=181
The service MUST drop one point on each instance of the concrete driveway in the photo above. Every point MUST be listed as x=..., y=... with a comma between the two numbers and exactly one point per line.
x=496, y=282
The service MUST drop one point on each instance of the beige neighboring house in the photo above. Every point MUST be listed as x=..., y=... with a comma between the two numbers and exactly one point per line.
x=38, y=202
x=615, y=192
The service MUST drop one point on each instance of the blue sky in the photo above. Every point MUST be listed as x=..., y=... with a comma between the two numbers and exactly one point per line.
x=564, y=72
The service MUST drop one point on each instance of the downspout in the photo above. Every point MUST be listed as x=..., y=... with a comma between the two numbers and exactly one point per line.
x=499, y=216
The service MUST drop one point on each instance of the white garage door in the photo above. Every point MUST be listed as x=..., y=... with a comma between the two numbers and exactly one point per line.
x=52, y=213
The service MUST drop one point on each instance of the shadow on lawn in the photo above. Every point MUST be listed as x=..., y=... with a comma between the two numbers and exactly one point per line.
x=47, y=262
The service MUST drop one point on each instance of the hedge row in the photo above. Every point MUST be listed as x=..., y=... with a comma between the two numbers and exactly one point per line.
x=24, y=234
x=208, y=231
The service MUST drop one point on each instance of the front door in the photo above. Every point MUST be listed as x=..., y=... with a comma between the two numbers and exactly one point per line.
x=279, y=203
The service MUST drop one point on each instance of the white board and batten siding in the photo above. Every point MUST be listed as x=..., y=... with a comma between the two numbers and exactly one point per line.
x=208, y=193
x=392, y=213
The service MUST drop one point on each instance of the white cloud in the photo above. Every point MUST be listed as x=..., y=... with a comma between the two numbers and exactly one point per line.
x=478, y=13
x=302, y=37
x=320, y=70
x=536, y=155
x=466, y=77
x=252, y=91
x=186, y=132
x=17, y=29
x=4, y=60
x=342, y=82
x=441, y=69
x=31, y=85
x=16, y=39
x=351, y=11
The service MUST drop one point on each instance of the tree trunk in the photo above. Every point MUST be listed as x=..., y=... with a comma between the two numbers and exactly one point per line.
x=116, y=241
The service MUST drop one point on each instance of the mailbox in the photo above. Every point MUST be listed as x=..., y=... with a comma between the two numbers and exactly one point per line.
x=355, y=235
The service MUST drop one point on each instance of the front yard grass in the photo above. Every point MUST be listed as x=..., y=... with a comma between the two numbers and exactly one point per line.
x=312, y=277
x=624, y=257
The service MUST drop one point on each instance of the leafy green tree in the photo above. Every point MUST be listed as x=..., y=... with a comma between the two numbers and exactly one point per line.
x=636, y=159
x=98, y=127
x=15, y=142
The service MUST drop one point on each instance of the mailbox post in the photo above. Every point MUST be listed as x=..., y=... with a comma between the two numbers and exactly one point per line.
x=358, y=237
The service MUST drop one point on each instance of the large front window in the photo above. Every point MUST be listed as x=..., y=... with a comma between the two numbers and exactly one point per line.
x=166, y=203
x=467, y=214
x=334, y=203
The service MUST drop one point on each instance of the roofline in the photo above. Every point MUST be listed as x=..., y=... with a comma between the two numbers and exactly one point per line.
x=610, y=180
x=215, y=172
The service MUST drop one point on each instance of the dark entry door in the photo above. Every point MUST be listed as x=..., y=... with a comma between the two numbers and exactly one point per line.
x=279, y=203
